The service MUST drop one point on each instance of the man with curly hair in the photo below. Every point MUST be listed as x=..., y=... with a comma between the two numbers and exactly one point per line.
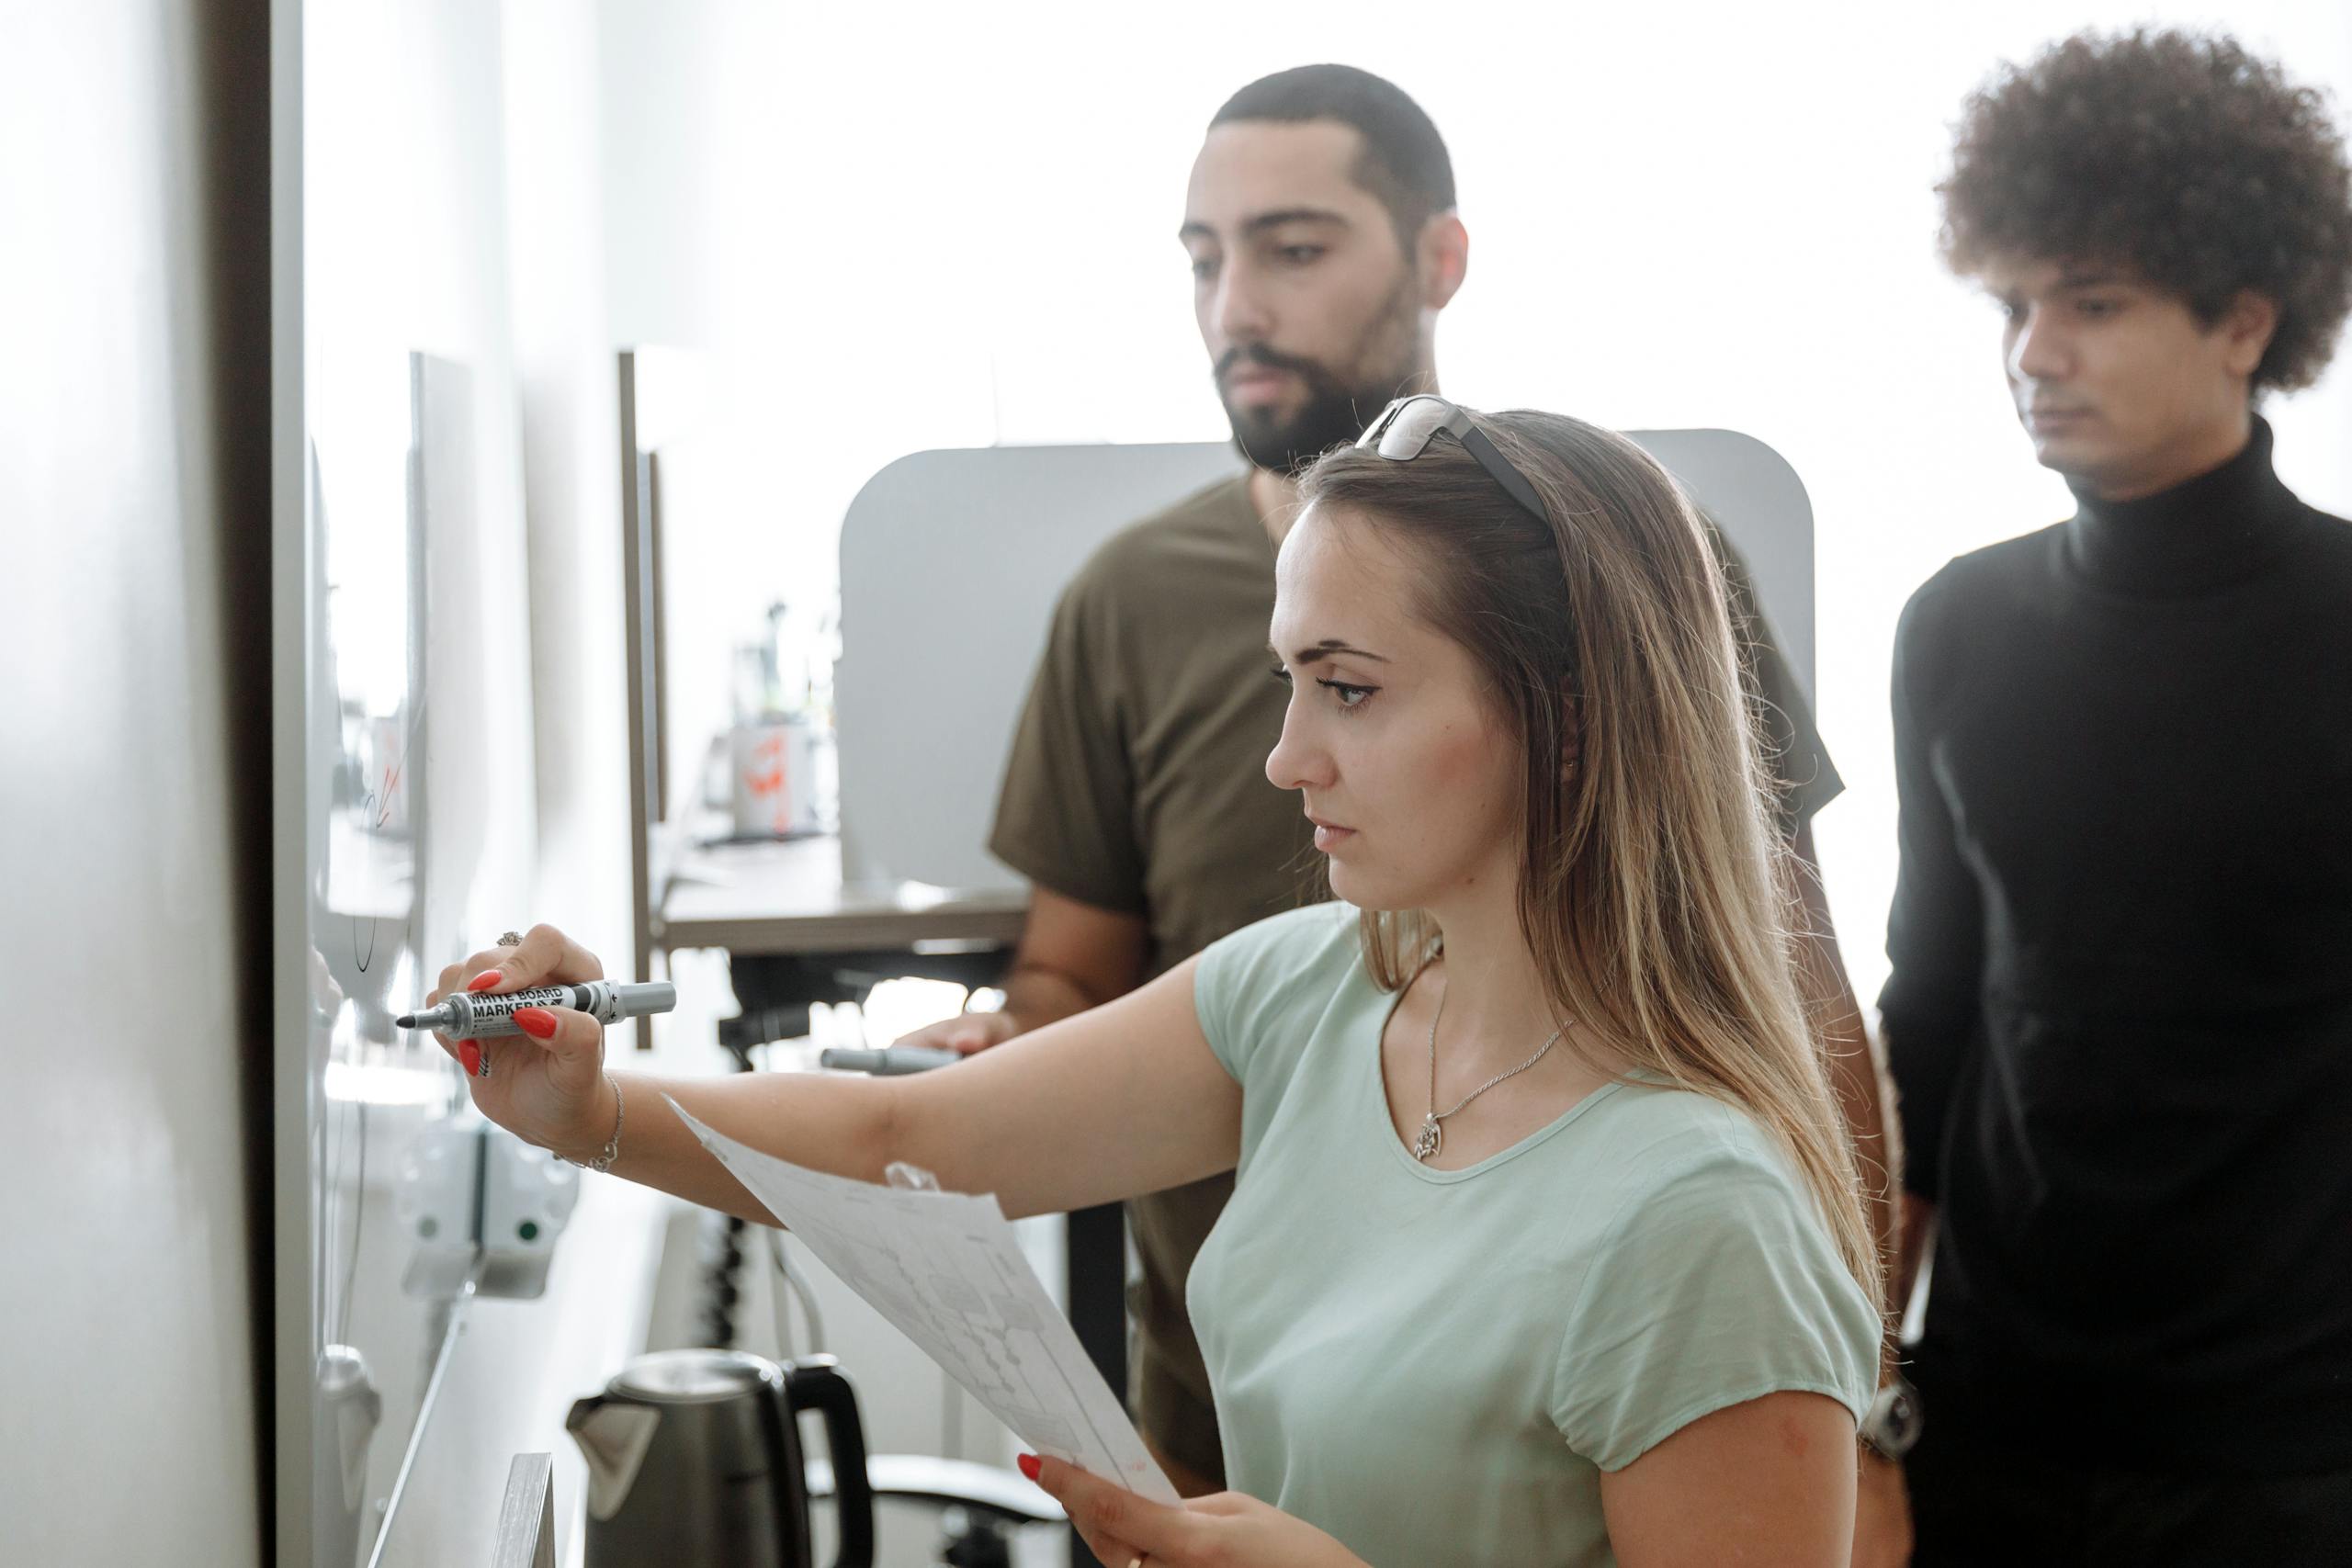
x=2120, y=1010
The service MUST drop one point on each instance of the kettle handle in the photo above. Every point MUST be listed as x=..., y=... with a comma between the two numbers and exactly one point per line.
x=815, y=1382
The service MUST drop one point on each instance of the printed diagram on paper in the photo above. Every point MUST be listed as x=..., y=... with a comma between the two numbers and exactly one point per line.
x=946, y=1269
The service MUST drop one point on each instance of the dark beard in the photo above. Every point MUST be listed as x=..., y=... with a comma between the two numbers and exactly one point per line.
x=1335, y=411
x=1333, y=415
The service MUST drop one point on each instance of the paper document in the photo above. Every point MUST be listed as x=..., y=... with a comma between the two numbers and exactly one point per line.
x=946, y=1269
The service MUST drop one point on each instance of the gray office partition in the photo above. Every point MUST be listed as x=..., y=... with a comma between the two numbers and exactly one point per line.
x=951, y=564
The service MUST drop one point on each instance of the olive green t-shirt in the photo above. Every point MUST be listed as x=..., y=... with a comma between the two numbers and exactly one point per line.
x=1137, y=784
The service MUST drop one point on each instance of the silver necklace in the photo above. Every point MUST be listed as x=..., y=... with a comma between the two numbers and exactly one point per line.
x=1432, y=1137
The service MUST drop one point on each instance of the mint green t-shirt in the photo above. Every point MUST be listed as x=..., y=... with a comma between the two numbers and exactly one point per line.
x=1436, y=1366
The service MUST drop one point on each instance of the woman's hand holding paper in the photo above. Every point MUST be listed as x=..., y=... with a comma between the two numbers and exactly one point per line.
x=1224, y=1530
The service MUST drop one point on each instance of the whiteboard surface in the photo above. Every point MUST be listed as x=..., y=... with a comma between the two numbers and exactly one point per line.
x=412, y=827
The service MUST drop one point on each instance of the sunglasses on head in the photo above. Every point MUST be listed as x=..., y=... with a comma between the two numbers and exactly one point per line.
x=1406, y=427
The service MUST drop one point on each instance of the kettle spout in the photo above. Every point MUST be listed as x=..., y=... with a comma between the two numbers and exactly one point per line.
x=614, y=1437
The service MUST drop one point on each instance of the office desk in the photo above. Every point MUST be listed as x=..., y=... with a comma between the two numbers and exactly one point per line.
x=787, y=899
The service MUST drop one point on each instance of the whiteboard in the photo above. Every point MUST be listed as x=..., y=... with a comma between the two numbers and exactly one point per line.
x=412, y=827
x=936, y=661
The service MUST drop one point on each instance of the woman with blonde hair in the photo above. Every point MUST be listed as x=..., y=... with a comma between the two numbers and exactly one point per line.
x=1546, y=1244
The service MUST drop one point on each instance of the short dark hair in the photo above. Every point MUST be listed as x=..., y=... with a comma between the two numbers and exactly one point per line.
x=2182, y=156
x=1404, y=162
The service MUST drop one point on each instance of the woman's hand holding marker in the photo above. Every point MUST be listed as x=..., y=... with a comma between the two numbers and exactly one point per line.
x=548, y=1086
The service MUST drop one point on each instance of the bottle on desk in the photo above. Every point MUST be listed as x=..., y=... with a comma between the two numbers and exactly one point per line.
x=784, y=775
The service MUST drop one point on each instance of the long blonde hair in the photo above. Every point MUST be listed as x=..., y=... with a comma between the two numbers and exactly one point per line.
x=1655, y=892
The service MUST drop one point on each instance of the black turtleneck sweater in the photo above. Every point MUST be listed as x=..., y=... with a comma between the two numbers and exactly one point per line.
x=2120, y=1010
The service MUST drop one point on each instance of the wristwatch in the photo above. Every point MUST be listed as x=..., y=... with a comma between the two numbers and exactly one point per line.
x=1891, y=1426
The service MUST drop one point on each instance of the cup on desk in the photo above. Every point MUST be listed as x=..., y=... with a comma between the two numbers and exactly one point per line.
x=783, y=778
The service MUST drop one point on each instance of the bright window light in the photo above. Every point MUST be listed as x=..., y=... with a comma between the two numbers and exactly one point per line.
x=932, y=226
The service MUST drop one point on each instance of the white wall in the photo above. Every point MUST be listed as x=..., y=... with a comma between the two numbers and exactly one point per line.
x=125, y=1306
x=1699, y=213
x=571, y=426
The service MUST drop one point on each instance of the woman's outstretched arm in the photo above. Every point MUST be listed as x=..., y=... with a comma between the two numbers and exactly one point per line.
x=1119, y=1100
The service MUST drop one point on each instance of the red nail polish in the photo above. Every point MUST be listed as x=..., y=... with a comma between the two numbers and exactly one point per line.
x=1030, y=1465
x=471, y=1054
x=484, y=981
x=536, y=1022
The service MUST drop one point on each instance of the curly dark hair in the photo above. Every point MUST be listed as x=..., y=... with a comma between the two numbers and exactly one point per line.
x=2182, y=156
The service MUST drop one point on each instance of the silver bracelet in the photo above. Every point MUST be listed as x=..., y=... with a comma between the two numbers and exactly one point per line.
x=612, y=1149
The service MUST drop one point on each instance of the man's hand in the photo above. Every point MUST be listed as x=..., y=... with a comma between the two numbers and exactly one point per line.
x=1882, y=1515
x=967, y=1032
x=1072, y=956
x=1223, y=1530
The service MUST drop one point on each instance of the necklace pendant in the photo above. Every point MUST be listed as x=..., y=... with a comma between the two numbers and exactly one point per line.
x=1431, y=1138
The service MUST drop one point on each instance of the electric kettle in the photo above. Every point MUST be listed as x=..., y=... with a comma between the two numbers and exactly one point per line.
x=694, y=1459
